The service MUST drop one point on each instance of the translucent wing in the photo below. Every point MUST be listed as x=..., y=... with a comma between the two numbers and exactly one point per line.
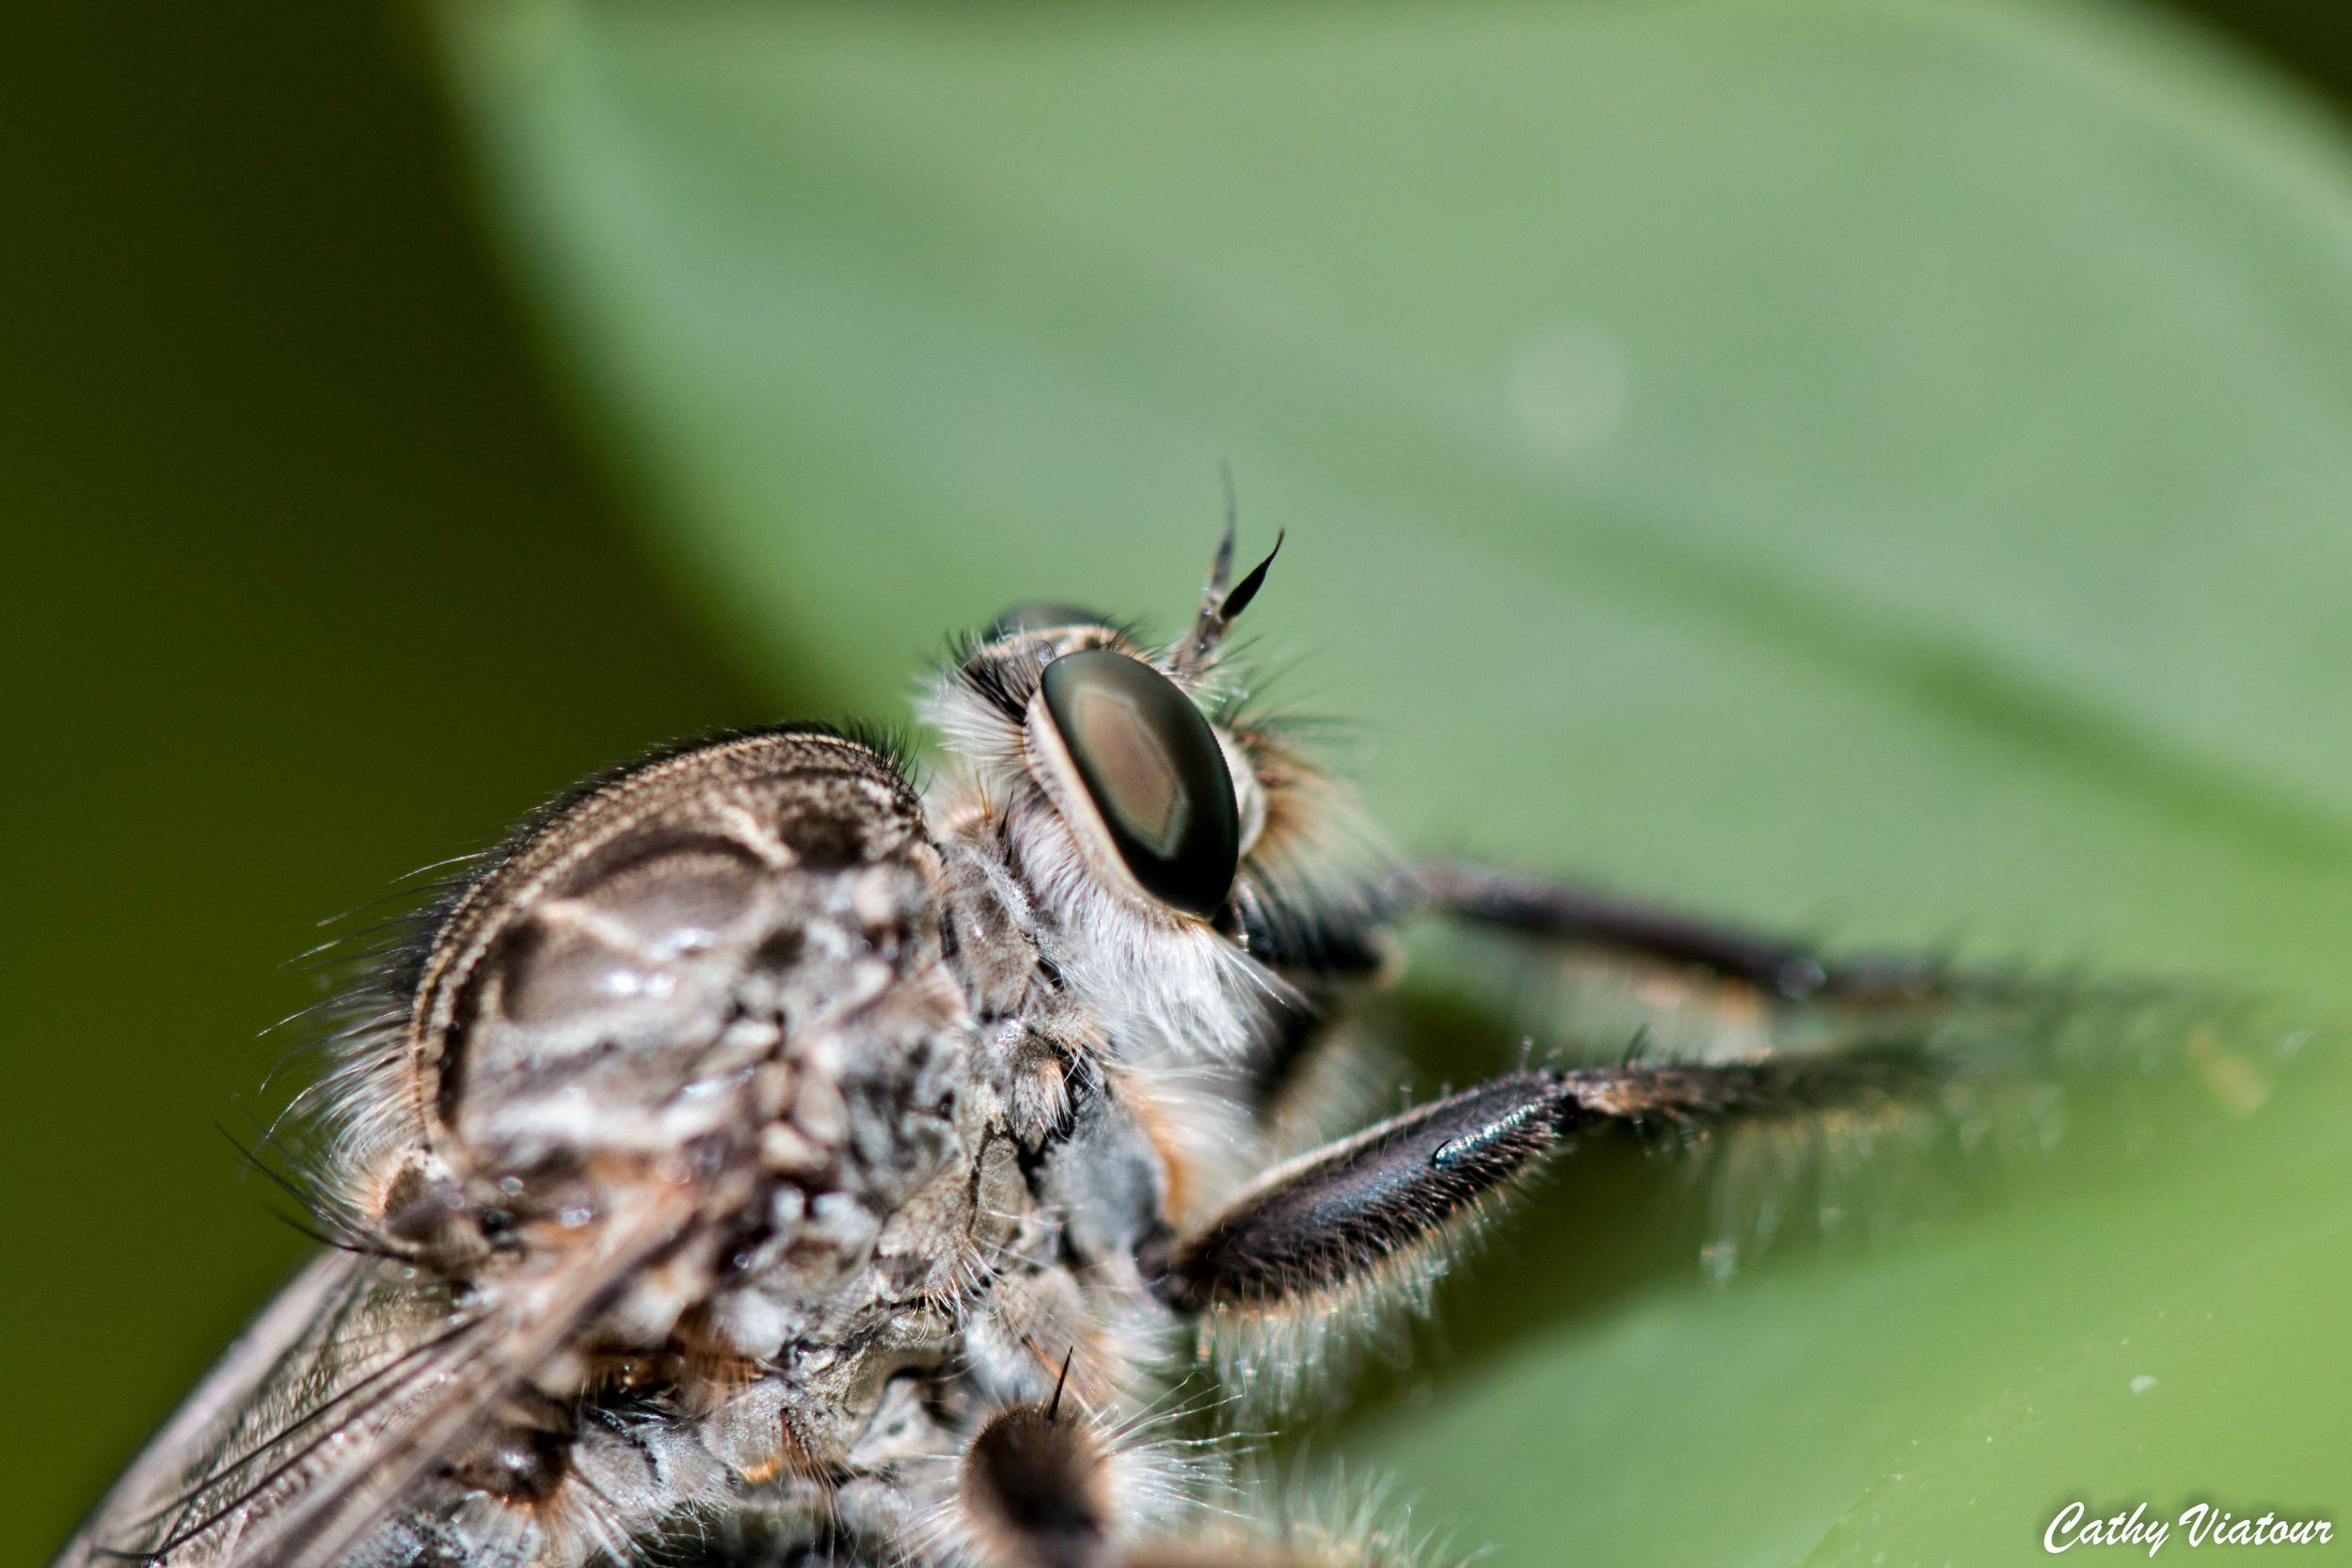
x=351, y=1386
x=258, y=1385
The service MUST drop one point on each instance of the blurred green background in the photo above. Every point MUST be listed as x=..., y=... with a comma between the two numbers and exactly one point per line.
x=1879, y=467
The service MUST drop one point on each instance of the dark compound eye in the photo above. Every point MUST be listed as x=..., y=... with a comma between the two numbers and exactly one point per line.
x=1154, y=771
x=1043, y=615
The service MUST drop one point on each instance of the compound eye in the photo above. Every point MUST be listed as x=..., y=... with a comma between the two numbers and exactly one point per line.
x=1043, y=615
x=1154, y=771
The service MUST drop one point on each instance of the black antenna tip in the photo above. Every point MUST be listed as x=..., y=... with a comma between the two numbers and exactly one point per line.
x=1247, y=589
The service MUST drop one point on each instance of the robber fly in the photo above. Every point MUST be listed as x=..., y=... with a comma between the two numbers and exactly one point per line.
x=761, y=1159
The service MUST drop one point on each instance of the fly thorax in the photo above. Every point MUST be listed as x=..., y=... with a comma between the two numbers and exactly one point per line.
x=738, y=987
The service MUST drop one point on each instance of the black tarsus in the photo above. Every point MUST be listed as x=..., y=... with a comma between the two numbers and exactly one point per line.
x=1566, y=911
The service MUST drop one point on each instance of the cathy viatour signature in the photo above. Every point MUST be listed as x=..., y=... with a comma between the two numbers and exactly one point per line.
x=2199, y=1523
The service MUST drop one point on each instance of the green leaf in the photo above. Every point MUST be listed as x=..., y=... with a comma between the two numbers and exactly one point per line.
x=1880, y=467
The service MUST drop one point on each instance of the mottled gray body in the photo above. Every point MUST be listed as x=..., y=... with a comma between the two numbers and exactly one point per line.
x=713, y=1008
x=758, y=1161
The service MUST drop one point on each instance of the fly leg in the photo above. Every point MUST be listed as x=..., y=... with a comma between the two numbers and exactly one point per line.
x=1378, y=1215
x=1581, y=915
x=1590, y=968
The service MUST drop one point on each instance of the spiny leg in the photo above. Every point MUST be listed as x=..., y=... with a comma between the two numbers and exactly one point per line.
x=1570, y=912
x=1312, y=1224
x=1754, y=997
x=1398, y=1193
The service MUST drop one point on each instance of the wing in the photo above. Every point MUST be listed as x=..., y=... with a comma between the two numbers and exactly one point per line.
x=255, y=1386
x=349, y=1389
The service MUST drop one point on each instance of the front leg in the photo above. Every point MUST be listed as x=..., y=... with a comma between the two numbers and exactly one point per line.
x=1362, y=1226
x=1581, y=915
x=1324, y=1221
